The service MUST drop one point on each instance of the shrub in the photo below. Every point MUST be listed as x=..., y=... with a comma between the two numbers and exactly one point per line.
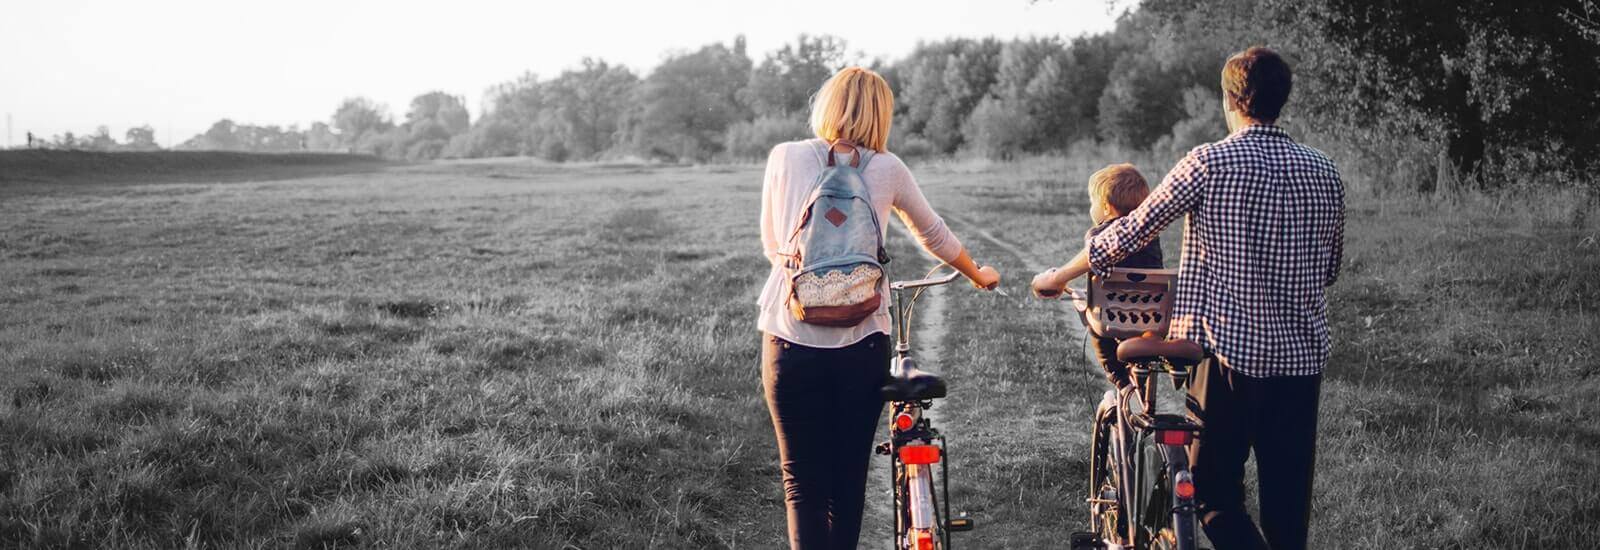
x=751, y=140
x=999, y=128
x=913, y=146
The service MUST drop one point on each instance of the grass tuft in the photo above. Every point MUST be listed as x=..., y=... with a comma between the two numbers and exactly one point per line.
x=410, y=309
x=37, y=390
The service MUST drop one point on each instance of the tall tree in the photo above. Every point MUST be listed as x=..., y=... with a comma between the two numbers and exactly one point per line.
x=963, y=79
x=358, y=118
x=1139, y=104
x=687, y=104
x=784, y=82
x=1487, y=78
x=588, y=106
x=432, y=121
x=140, y=138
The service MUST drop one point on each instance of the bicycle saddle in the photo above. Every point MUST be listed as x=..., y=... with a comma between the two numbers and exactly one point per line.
x=1150, y=347
x=911, y=384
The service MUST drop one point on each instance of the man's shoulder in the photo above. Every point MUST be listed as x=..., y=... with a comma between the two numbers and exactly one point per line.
x=1253, y=148
x=1315, y=157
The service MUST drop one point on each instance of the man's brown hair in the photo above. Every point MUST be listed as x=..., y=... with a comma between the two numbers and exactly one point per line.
x=1256, y=83
x=1119, y=186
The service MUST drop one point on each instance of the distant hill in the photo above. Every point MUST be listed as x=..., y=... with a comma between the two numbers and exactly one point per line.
x=80, y=167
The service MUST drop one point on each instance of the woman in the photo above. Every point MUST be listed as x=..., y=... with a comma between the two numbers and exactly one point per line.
x=822, y=382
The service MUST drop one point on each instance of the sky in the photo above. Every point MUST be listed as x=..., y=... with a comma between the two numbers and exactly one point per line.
x=180, y=65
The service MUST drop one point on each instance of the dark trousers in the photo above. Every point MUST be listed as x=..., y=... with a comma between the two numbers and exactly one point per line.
x=1116, y=370
x=825, y=405
x=1277, y=418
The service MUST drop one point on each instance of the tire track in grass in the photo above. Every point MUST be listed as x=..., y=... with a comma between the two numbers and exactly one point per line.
x=1075, y=328
x=1029, y=262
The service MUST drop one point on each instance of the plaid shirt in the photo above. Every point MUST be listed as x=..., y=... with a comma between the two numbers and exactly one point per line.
x=1262, y=241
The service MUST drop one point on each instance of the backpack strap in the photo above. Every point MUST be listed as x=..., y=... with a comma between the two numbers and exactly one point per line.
x=787, y=249
x=860, y=156
x=856, y=160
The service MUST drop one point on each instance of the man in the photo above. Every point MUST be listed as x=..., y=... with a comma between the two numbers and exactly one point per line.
x=1261, y=243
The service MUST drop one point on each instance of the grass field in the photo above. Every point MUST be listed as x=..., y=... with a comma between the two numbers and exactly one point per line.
x=515, y=354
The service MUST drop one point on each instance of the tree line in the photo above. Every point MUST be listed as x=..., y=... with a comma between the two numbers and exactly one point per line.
x=1479, y=90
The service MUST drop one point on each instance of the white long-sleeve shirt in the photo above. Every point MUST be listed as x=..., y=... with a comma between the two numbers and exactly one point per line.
x=792, y=170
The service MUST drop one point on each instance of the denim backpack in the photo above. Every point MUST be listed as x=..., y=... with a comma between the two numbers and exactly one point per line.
x=835, y=255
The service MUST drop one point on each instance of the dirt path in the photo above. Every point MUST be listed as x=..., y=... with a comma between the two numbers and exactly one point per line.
x=985, y=409
x=928, y=340
x=1021, y=279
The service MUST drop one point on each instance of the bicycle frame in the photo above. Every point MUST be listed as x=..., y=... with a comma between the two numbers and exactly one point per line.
x=917, y=451
x=918, y=515
x=1134, y=432
x=1173, y=449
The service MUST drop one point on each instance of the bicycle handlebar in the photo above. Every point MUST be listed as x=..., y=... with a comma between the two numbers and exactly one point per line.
x=1067, y=292
x=919, y=283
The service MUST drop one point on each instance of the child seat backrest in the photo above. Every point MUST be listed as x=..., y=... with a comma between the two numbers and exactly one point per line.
x=1130, y=302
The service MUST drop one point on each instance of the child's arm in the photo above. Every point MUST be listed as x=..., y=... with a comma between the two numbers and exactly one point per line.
x=1050, y=283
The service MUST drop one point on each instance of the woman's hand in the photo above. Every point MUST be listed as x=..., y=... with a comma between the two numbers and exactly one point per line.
x=987, y=278
x=983, y=278
x=1047, y=284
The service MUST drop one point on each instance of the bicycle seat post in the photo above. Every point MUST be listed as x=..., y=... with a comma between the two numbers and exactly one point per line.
x=1142, y=377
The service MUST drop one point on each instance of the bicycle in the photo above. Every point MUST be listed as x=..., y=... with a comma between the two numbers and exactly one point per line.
x=1140, y=493
x=915, y=446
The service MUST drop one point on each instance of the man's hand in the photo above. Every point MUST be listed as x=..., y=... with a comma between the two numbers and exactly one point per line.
x=1045, y=284
x=987, y=279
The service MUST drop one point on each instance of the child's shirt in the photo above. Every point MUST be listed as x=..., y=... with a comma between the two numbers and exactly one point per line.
x=1148, y=257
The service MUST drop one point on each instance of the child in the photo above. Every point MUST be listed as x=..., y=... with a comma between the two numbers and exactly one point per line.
x=1114, y=191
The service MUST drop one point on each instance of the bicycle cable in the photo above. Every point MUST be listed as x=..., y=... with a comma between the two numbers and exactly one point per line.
x=911, y=306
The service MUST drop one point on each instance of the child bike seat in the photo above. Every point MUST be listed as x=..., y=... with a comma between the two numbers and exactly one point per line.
x=1149, y=347
x=910, y=384
x=1129, y=302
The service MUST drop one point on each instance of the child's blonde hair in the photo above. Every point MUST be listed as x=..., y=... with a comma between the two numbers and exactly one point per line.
x=855, y=105
x=1119, y=187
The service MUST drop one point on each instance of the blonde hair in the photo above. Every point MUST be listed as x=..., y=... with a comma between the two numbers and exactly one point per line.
x=1119, y=186
x=854, y=105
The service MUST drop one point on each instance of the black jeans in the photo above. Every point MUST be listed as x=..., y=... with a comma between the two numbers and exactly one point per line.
x=1275, y=416
x=1116, y=370
x=825, y=405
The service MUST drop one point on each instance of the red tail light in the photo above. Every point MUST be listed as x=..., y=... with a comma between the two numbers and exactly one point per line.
x=919, y=454
x=923, y=539
x=1184, y=488
x=903, y=421
x=1174, y=437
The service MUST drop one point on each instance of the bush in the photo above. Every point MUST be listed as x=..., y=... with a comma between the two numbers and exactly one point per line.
x=1203, y=124
x=913, y=146
x=998, y=129
x=751, y=140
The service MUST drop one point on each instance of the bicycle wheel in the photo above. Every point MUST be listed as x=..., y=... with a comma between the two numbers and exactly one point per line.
x=1155, y=495
x=1104, y=497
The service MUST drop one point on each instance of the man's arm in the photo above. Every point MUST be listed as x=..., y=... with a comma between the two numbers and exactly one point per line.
x=1178, y=193
x=1338, y=240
